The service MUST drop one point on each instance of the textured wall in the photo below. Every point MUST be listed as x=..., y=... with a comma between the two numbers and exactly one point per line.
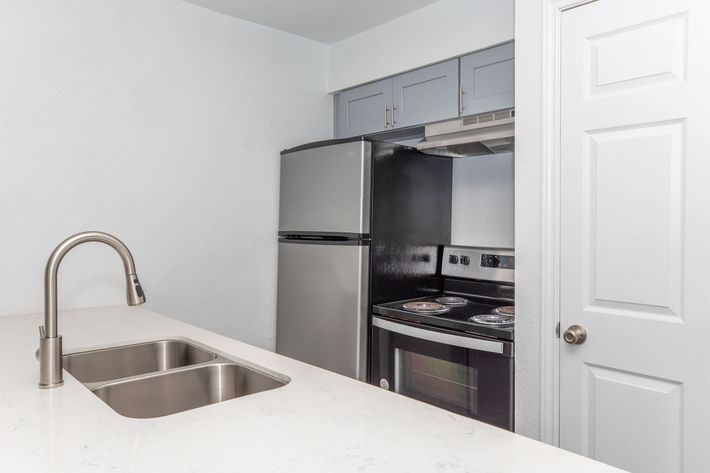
x=160, y=122
x=528, y=195
x=483, y=207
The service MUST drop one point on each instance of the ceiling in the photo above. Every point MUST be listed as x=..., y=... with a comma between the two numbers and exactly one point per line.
x=326, y=21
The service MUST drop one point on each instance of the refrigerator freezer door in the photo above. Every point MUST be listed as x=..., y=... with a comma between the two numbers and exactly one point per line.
x=326, y=190
x=322, y=305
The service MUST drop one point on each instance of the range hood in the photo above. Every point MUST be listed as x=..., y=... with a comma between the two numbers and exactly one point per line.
x=477, y=135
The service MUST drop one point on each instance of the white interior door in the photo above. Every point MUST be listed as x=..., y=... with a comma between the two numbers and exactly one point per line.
x=635, y=233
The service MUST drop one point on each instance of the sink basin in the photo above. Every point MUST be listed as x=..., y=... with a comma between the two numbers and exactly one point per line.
x=131, y=360
x=168, y=393
x=164, y=377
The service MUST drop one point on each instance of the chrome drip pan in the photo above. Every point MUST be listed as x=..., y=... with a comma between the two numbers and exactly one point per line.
x=493, y=319
x=452, y=301
x=425, y=307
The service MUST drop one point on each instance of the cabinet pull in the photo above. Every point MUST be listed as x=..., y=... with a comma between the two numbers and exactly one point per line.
x=387, y=116
x=461, y=93
x=393, y=121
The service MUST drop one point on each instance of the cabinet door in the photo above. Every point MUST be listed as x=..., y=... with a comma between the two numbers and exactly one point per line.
x=426, y=95
x=364, y=109
x=487, y=80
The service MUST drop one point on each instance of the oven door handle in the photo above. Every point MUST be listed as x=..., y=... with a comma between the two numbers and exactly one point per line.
x=438, y=337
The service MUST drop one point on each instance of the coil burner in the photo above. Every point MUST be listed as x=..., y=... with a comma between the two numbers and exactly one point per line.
x=505, y=310
x=493, y=319
x=425, y=307
x=452, y=301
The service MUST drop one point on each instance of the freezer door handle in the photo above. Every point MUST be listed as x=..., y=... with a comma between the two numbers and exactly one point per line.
x=439, y=337
x=325, y=240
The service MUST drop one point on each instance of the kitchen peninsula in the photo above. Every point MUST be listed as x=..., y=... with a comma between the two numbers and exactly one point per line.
x=319, y=421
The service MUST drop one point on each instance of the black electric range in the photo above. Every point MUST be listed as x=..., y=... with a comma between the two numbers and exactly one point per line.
x=458, y=318
x=483, y=278
x=438, y=350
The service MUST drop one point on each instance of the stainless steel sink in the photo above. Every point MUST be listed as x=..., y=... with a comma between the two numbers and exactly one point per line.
x=132, y=360
x=165, y=377
x=163, y=394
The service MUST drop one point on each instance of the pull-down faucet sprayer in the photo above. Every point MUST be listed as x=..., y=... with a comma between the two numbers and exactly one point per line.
x=50, y=342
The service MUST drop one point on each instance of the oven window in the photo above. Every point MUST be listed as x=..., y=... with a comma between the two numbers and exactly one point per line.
x=449, y=385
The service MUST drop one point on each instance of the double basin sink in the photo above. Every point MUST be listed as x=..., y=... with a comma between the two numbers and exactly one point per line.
x=163, y=377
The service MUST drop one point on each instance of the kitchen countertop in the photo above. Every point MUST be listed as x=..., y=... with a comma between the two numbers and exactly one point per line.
x=320, y=421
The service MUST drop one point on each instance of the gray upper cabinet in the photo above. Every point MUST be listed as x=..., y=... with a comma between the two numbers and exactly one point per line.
x=477, y=83
x=426, y=95
x=364, y=109
x=487, y=80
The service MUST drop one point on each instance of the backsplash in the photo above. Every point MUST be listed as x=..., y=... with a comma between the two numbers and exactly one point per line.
x=483, y=212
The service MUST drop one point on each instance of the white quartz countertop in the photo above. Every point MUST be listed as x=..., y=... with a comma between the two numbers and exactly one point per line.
x=319, y=422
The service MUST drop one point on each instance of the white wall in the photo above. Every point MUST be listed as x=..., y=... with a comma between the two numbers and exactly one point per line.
x=160, y=122
x=442, y=30
x=528, y=195
x=483, y=203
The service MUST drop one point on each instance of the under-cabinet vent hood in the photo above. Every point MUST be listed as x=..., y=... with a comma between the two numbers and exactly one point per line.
x=477, y=135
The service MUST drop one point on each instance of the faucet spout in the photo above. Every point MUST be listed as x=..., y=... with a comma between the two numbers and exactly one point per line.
x=50, y=348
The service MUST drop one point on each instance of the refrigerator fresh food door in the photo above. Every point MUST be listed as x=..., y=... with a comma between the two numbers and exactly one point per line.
x=322, y=304
x=326, y=190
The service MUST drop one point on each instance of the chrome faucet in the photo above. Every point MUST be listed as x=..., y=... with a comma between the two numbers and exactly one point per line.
x=50, y=343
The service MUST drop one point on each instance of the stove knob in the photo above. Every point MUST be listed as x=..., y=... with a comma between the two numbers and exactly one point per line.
x=490, y=261
x=465, y=260
x=453, y=259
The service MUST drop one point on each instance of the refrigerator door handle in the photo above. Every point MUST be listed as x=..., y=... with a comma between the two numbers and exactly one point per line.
x=326, y=239
x=325, y=235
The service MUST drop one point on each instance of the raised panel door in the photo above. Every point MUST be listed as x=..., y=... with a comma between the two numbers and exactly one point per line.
x=364, y=109
x=488, y=80
x=426, y=95
x=633, y=233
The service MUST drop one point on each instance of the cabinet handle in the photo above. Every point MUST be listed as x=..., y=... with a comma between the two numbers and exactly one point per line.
x=461, y=93
x=393, y=121
x=387, y=116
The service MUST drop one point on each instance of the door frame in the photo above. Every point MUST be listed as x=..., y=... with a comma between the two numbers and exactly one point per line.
x=551, y=31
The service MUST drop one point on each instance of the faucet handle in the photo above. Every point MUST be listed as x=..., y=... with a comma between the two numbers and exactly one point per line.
x=41, y=337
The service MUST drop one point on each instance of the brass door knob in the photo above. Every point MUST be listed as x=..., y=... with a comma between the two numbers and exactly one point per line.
x=575, y=335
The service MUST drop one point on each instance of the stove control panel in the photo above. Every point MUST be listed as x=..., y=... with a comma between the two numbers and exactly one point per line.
x=497, y=261
x=489, y=264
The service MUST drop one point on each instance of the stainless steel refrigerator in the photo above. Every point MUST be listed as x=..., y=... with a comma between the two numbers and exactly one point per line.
x=361, y=222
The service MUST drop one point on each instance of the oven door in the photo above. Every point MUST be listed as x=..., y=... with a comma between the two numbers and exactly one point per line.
x=464, y=374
